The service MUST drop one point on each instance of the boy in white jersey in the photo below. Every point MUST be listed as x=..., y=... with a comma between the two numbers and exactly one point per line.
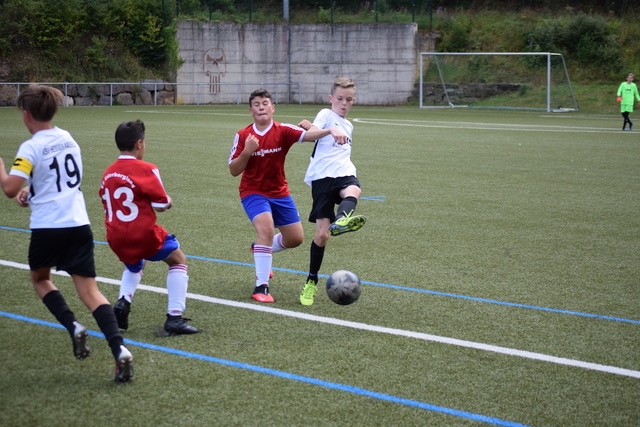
x=51, y=163
x=258, y=153
x=332, y=177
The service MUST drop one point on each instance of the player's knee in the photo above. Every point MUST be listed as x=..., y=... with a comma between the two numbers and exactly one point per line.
x=293, y=241
x=321, y=238
x=176, y=257
x=352, y=191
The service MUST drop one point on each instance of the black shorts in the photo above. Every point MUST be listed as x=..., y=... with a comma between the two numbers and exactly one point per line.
x=325, y=193
x=67, y=249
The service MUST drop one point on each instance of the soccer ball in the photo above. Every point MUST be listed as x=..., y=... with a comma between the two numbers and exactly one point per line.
x=343, y=287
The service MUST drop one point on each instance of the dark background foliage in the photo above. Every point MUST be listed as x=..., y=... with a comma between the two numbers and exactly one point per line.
x=130, y=40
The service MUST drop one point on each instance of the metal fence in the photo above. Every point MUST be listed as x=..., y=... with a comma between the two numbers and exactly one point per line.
x=157, y=92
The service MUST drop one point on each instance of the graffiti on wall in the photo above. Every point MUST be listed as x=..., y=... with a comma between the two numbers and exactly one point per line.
x=215, y=68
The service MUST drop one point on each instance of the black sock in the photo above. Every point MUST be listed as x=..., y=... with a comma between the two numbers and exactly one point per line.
x=347, y=205
x=108, y=324
x=316, y=256
x=57, y=305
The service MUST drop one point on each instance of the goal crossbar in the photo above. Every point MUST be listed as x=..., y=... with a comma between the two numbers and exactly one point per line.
x=548, y=55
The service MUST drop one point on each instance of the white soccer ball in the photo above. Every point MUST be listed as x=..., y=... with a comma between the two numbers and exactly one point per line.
x=343, y=287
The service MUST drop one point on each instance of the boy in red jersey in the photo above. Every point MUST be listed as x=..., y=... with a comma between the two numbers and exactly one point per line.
x=132, y=192
x=258, y=153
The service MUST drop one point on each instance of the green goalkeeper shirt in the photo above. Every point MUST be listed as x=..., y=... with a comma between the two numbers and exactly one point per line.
x=629, y=94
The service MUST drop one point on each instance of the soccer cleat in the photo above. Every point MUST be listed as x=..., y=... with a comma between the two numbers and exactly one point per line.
x=124, y=365
x=308, y=292
x=261, y=294
x=121, y=309
x=177, y=325
x=346, y=224
x=80, y=348
x=270, y=271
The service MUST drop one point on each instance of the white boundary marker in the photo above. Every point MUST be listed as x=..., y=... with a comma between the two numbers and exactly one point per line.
x=511, y=127
x=379, y=329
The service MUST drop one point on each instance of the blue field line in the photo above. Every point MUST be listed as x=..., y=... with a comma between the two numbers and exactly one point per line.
x=21, y=230
x=438, y=293
x=506, y=303
x=405, y=288
x=374, y=198
x=289, y=376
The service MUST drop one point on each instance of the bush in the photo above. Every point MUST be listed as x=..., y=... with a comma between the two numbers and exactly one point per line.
x=455, y=35
x=586, y=40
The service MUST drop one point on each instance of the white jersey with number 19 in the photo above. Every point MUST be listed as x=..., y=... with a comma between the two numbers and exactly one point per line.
x=52, y=163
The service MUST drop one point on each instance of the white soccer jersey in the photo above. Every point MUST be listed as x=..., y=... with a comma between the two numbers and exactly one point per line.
x=329, y=159
x=51, y=162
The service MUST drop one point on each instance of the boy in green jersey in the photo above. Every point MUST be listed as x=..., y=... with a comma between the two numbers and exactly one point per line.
x=627, y=94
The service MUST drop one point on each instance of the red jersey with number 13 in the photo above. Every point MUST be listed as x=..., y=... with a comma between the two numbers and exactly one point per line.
x=130, y=189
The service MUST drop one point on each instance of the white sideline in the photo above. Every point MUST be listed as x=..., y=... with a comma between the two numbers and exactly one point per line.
x=380, y=329
x=485, y=126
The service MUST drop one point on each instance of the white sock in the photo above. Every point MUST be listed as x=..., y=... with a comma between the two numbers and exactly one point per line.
x=129, y=283
x=277, y=245
x=177, y=283
x=263, y=258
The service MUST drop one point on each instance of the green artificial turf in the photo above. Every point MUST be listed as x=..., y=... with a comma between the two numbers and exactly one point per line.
x=518, y=230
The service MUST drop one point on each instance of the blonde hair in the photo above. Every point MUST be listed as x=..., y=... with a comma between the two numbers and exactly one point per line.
x=343, y=82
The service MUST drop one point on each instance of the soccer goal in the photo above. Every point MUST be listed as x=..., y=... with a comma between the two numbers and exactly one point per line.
x=506, y=80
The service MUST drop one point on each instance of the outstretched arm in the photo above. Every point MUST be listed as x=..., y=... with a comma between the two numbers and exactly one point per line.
x=313, y=133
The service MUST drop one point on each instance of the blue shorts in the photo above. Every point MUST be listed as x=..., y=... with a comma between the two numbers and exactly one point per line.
x=283, y=210
x=170, y=245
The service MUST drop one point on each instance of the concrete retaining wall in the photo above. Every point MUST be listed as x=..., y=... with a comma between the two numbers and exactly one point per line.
x=225, y=62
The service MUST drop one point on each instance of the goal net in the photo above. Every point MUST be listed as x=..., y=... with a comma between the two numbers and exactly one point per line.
x=507, y=80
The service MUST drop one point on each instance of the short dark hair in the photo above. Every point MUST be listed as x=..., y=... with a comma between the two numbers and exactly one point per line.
x=40, y=101
x=259, y=93
x=128, y=133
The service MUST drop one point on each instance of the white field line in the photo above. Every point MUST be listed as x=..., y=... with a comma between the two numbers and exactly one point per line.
x=434, y=123
x=379, y=329
x=485, y=126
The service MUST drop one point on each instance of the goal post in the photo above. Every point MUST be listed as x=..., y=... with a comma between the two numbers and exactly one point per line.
x=501, y=80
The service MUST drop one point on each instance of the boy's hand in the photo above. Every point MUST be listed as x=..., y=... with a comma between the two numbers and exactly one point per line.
x=23, y=197
x=339, y=137
x=251, y=144
x=305, y=124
